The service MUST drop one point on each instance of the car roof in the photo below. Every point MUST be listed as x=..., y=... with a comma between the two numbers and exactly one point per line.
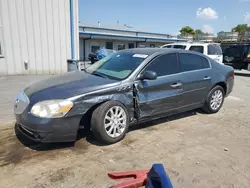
x=190, y=43
x=150, y=51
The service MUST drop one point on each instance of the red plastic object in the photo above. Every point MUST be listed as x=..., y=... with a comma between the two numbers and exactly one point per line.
x=134, y=179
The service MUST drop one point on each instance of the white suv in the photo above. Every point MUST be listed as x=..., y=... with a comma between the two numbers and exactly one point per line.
x=213, y=50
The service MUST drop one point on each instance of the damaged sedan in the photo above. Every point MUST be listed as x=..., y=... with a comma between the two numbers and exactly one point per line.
x=125, y=88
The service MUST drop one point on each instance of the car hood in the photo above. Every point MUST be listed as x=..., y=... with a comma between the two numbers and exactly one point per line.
x=68, y=85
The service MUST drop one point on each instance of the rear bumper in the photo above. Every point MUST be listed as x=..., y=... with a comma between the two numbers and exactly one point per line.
x=48, y=130
x=230, y=85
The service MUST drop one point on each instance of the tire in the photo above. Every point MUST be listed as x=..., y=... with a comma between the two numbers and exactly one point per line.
x=102, y=115
x=208, y=107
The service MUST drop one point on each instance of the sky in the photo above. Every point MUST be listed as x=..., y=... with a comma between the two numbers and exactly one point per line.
x=167, y=16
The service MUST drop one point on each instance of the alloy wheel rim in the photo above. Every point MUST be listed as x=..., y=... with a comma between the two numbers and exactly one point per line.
x=216, y=100
x=115, y=121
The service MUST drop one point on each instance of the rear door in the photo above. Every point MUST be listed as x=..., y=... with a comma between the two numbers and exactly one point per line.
x=164, y=93
x=214, y=52
x=196, y=78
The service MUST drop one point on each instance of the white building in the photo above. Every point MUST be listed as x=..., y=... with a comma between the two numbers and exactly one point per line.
x=41, y=36
x=37, y=36
x=92, y=37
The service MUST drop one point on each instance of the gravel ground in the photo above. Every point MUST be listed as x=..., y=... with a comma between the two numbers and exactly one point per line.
x=197, y=150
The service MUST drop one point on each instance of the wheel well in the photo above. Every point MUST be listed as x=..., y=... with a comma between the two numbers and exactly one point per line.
x=86, y=118
x=223, y=85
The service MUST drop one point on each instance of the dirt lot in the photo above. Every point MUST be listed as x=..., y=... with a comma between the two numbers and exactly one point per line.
x=197, y=150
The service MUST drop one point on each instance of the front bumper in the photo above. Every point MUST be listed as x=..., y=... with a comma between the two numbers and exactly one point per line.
x=48, y=130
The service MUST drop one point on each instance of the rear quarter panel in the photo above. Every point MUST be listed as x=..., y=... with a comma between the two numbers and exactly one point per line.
x=222, y=73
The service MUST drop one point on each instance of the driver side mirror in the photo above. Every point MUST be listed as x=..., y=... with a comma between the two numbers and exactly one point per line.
x=148, y=75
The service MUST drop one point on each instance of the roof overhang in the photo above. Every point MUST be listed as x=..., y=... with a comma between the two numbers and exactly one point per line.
x=95, y=35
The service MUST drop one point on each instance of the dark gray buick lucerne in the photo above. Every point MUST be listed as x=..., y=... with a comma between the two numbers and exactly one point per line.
x=124, y=88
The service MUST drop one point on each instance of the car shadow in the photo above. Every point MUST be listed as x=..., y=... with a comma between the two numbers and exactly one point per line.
x=149, y=124
x=242, y=74
x=82, y=133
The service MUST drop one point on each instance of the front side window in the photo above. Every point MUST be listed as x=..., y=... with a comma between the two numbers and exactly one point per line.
x=197, y=49
x=164, y=65
x=118, y=65
x=190, y=62
x=214, y=49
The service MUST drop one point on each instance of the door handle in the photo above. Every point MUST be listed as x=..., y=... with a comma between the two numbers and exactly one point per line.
x=175, y=85
x=207, y=78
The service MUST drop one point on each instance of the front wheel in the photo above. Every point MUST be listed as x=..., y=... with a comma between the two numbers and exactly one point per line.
x=110, y=122
x=214, y=100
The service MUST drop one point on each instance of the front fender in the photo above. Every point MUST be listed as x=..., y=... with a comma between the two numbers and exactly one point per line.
x=83, y=104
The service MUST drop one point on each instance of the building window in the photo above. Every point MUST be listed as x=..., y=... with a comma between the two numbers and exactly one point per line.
x=109, y=45
x=131, y=45
x=121, y=46
x=94, y=49
x=152, y=45
x=1, y=49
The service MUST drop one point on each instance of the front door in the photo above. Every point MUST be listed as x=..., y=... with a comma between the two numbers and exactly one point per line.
x=163, y=94
x=196, y=79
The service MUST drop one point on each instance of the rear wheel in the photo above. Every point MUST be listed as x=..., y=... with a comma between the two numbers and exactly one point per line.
x=214, y=100
x=110, y=122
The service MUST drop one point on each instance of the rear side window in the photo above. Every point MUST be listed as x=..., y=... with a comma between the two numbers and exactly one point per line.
x=190, y=62
x=179, y=46
x=205, y=63
x=197, y=49
x=164, y=65
x=214, y=49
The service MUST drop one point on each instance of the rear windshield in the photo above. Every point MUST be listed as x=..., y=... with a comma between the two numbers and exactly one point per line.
x=168, y=46
x=179, y=46
x=197, y=49
x=214, y=49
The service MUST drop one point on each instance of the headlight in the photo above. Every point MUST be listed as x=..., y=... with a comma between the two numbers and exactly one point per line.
x=51, y=108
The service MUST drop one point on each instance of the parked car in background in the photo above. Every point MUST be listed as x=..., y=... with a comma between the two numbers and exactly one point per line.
x=128, y=87
x=101, y=53
x=237, y=56
x=212, y=50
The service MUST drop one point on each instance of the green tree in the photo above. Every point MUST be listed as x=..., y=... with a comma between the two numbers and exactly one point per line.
x=241, y=29
x=186, y=31
x=198, y=34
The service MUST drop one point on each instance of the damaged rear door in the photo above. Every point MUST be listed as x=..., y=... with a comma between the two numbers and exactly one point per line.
x=162, y=95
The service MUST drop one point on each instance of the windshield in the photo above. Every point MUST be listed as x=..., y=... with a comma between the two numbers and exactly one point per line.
x=117, y=65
